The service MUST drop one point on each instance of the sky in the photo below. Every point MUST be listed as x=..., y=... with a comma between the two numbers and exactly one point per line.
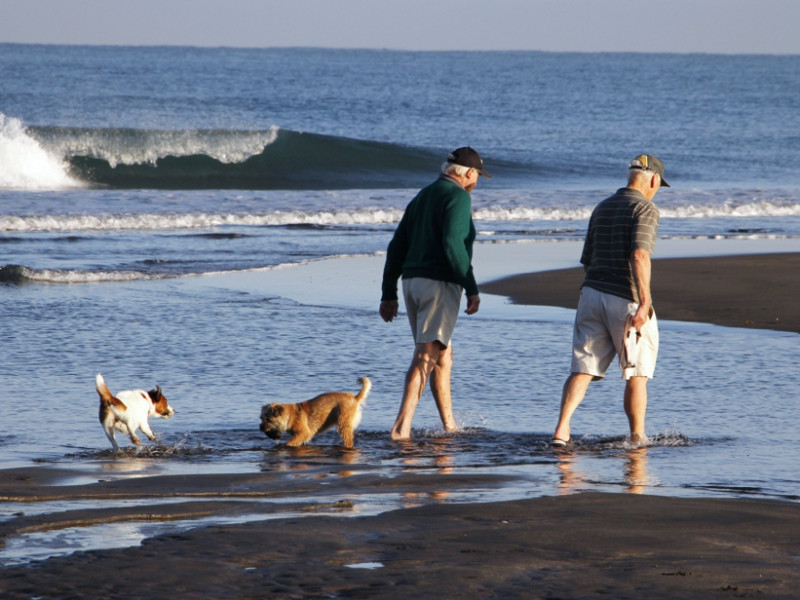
x=708, y=26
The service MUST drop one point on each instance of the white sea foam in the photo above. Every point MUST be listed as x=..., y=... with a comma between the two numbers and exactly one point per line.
x=499, y=213
x=748, y=209
x=714, y=209
x=132, y=147
x=12, y=223
x=365, y=216
x=26, y=164
x=19, y=273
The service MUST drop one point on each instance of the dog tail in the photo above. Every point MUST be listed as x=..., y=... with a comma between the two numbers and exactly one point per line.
x=106, y=397
x=366, y=386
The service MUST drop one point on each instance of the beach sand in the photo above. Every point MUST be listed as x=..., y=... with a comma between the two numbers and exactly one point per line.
x=752, y=290
x=575, y=546
x=587, y=545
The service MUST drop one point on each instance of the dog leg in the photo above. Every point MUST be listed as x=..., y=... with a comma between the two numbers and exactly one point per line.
x=145, y=428
x=112, y=438
x=298, y=440
x=347, y=436
x=349, y=418
x=134, y=438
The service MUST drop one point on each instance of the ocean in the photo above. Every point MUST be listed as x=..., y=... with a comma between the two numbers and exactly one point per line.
x=160, y=205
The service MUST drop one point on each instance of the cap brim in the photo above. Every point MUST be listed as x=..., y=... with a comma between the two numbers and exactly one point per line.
x=484, y=173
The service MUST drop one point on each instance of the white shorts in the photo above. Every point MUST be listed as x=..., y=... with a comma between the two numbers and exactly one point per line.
x=432, y=308
x=598, y=336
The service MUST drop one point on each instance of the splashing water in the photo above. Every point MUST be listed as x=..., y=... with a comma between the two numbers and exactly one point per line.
x=26, y=165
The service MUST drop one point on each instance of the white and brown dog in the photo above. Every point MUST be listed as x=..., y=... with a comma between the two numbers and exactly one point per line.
x=129, y=410
x=306, y=419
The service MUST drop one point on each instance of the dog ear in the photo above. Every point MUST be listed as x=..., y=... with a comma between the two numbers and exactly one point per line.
x=273, y=410
x=159, y=395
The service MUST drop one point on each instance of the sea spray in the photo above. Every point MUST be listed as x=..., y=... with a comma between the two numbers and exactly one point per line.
x=26, y=164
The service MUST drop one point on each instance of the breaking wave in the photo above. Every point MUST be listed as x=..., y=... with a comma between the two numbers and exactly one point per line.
x=18, y=274
x=65, y=157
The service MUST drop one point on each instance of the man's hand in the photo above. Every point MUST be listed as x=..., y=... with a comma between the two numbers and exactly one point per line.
x=388, y=310
x=641, y=316
x=473, y=302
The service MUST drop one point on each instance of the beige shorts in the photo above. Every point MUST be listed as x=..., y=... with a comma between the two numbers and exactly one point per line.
x=432, y=308
x=598, y=336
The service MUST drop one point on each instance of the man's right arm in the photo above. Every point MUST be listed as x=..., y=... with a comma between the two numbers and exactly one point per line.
x=395, y=255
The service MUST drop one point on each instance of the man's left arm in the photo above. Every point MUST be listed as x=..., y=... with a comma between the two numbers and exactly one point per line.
x=643, y=241
x=641, y=265
x=393, y=268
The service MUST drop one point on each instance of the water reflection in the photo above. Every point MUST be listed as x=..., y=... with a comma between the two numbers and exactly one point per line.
x=572, y=479
x=435, y=454
x=300, y=458
x=569, y=478
x=635, y=470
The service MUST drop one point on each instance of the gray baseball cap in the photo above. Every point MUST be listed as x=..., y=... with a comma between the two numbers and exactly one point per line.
x=648, y=162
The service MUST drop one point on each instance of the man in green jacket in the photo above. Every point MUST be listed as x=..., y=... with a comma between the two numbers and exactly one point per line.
x=432, y=251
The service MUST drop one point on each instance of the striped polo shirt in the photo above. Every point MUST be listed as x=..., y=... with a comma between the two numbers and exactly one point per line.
x=618, y=225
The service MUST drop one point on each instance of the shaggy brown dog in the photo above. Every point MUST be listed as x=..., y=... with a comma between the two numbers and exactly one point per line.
x=305, y=419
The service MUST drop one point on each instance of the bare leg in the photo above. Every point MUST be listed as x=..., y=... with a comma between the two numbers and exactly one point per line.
x=425, y=358
x=636, y=406
x=571, y=396
x=440, y=386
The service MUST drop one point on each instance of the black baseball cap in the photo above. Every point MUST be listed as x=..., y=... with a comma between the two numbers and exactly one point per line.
x=467, y=157
x=648, y=162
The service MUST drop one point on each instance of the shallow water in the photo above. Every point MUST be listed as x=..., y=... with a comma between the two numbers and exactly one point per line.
x=220, y=350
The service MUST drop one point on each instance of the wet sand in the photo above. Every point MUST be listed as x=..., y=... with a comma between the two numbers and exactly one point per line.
x=574, y=546
x=754, y=290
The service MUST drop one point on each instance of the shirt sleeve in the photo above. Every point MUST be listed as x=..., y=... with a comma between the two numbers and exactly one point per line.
x=645, y=228
x=395, y=255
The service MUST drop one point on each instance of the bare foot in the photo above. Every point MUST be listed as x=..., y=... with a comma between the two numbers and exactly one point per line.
x=399, y=437
x=638, y=440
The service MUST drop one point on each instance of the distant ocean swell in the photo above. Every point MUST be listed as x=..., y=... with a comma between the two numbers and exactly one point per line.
x=291, y=161
x=55, y=158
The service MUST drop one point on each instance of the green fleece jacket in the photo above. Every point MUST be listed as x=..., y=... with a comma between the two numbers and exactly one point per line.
x=433, y=240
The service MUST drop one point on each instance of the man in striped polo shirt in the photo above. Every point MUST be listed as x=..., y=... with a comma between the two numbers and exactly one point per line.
x=615, y=299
